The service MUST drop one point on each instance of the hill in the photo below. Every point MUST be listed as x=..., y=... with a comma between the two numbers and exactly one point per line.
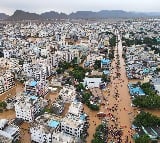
x=3, y=16
x=21, y=15
x=54, y=15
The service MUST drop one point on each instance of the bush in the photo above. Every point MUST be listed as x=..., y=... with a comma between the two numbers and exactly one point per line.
x=3, y=104
x=151, y=101
x=101, y=134
x=146, y=119
x=143, y=139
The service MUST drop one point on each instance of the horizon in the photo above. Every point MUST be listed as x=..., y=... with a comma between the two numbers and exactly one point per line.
x=69, y=6
x=80, y=10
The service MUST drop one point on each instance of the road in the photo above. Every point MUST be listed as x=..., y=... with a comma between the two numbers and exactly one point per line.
x=118, y=108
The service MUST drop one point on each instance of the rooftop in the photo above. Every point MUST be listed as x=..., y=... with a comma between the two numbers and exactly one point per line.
x=53, y=123
x=33, y=83
x=105, y=61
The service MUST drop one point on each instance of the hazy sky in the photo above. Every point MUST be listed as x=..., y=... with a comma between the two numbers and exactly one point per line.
x=68, y=6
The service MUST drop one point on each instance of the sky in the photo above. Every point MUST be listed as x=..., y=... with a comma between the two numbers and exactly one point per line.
x=68, y=6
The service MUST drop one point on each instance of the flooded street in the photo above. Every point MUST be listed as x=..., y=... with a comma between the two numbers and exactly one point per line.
x=25, y=136
x=12, y=92
x=52, y=96
x=118, y=108
x=10, y=114
x=117, y=105
x=93, y=121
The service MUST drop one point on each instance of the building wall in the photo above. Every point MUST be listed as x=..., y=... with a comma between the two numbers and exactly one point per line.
x=40, y=136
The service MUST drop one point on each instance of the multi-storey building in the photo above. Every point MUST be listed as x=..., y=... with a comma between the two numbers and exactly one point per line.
x=39, y=88
x=46, y=128
x=6, y=81
x=73, y=123
x=1, y=85
x=68, y=93
x=27, y=107
x=8, y=133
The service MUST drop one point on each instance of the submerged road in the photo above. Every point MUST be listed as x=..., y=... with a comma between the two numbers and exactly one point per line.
x=118, y=108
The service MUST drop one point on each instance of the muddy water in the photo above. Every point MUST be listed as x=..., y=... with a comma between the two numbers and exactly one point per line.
x=12, y=92
x=52, y=96
x=135, y=81
x=154, y=112
x=124, y=112
x=66, y=108
x=25, y=136
x=10, y=114
x=93, y=121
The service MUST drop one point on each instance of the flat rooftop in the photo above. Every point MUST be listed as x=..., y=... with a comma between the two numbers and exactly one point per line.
x=53, y=123
x=33, y=83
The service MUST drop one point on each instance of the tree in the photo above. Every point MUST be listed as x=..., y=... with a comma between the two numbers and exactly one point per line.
x=111, y=54
x=80, y=87
x=74, y=61
x=60, y=71
x=143, y=139
x=146, y=119
x=78, y=73
x=101, y=134
x=97, y=64
x=151, y=101
x=94, y=107
x=105, y=78
x=48, y=110
x=85, y=97
x=112, y=41
x=3, y=104
x=64, y=65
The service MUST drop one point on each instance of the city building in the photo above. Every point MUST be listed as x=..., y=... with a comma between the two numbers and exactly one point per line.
x=92, y=82
x=8, y=133
x=29, y=106
x=46, y=128
x=68, y=93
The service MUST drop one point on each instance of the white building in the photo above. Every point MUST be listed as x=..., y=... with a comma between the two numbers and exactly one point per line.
x=40, y=88
x=28, y=106
x=92, y=82
x=73, y=123
x=46, y=128
x=7, y=53
x=1, y=85
x=68, y=93
x=54, y=60
x=8, y=133
x=6, y=81
x=75, y=108
x=156, y=83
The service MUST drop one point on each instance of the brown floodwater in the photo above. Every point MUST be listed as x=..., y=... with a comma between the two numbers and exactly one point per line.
x=93, y=121
x=52, y=96
x=12, y=92
x=25, y=136
x=66, y=108
x=124, y=113
x=155, y=112
x=10, y=114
